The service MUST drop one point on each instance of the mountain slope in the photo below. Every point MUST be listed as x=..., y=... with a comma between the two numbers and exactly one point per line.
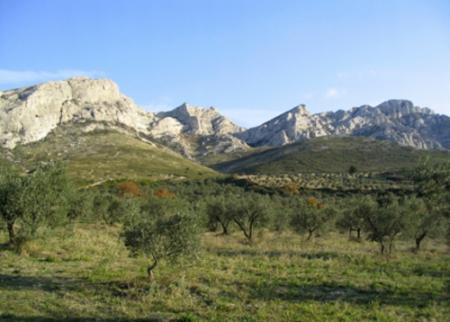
x=331, y=154
x=394, y=120
x=30, y=114
x=104, y=154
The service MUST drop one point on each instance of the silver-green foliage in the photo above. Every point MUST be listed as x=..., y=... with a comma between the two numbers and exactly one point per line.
x=160, y=232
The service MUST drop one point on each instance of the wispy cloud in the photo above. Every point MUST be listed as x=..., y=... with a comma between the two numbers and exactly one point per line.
x=8, y=76
x=332, y=92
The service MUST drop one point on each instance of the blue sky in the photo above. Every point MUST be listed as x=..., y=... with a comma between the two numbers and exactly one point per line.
x=252, y=59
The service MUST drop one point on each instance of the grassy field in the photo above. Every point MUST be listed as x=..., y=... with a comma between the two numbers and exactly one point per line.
x=104, y=155
x=83, y=273
x=331, y=154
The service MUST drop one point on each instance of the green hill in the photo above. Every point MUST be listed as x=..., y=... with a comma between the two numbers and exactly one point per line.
x=331, y=154
x=106, y=155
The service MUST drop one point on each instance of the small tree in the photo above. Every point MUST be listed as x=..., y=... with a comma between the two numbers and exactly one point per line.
x=386, y=221
x=10, y=188
x=427, y=219
x=219, y=212
x=37, y=199
x=310, y=216
x=161, y=234
x=352, y=215
x=249, y=212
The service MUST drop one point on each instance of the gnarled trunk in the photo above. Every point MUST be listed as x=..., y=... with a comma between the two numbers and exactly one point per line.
x=150, y=269
x=11, y=232
x=419, y=240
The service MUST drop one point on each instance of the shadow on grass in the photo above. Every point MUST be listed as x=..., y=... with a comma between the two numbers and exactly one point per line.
x=49, y=284
x=331, y=292
x=15, y=318
x=130, y=289
x=254, y=252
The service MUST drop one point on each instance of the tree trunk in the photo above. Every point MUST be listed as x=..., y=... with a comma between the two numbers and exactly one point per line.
x=310, y=233
x=382, y=247
x=350, y=234
x=11, y=232
x=358, y=233
x=150, y=269
x=224, y=228
x=419, y=240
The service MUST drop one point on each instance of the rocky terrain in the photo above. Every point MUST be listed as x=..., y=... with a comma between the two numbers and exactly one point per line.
x=30, y=114
x=394, y=120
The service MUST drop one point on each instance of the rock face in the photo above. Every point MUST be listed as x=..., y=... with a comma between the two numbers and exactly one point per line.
x=394, y=120
x=30, y=114
x=196, y=131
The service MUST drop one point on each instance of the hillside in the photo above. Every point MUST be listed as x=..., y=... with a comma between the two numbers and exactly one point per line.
x=331, y=154
x=107, y=154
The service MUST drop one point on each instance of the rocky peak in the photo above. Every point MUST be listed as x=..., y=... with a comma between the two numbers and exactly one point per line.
x=29, y=114
x=395, y=120
x=300, y=110
x=201, y=121
x=398, y=108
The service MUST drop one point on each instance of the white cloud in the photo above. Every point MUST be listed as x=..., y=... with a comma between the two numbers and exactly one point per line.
x=332, y=92
x=8, y=76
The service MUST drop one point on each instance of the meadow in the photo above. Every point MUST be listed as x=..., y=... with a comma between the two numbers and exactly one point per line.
x=82, y=272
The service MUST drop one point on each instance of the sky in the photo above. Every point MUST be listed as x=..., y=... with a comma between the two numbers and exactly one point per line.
x=251, y=59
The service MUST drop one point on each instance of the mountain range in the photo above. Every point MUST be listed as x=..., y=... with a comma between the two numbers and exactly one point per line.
x=31, y=114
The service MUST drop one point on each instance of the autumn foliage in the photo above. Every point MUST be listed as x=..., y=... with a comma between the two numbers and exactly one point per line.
x=164, y=193
x=129, y=188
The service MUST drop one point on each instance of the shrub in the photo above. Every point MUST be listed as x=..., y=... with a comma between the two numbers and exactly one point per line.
x=161, y=236
x=129, y=188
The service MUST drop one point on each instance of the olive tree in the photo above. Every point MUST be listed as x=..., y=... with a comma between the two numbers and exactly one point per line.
x=37, y=199
x=10, y=188
x=162, y=234
x=427, y=219
x=389, y=219
x=310, y=216
x=352, y=215
x=218, y=212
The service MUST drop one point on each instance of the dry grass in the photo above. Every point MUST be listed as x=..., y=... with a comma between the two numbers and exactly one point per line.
x=83, y=273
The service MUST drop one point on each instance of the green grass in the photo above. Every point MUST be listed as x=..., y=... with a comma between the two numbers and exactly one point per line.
x=108, y=155
x=331, y=154
x=83, y=273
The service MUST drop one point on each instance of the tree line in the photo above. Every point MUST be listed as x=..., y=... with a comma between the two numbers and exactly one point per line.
x=164, y=221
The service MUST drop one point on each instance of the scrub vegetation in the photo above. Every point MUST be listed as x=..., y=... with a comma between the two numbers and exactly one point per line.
x=221, y=248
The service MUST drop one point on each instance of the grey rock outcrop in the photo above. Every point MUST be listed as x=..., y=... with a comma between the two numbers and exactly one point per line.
x=395, y=120
x=30, y=114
